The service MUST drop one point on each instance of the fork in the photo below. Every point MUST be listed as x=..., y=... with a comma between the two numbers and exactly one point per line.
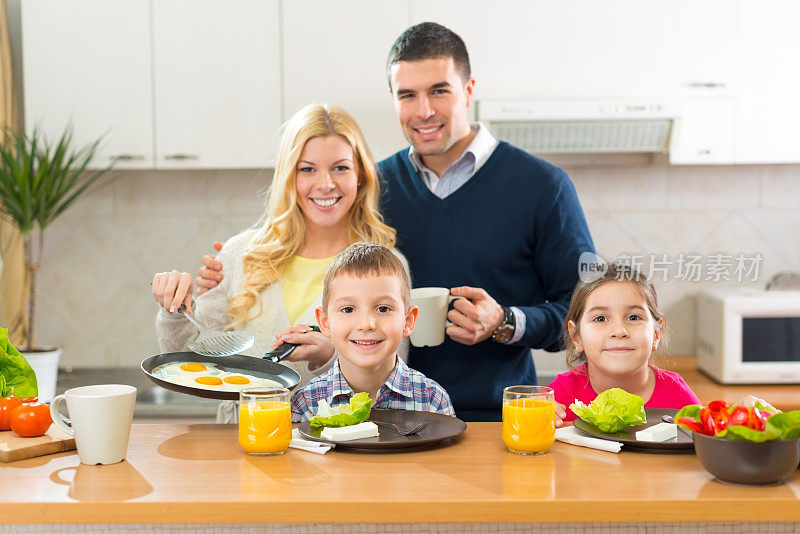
x=407, y=432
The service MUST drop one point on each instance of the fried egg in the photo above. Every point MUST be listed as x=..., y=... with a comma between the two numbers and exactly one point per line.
x=207, y=376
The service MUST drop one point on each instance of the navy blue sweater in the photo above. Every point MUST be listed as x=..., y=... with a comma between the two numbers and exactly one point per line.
x=515, y=229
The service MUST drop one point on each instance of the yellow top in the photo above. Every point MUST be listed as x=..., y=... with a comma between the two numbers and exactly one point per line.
x=302, y=284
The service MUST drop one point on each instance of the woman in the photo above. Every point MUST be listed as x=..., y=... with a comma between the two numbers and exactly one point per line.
x=324, y=196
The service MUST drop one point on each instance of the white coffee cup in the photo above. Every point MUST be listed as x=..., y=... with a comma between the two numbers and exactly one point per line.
x=433, y=303
x=101, y=418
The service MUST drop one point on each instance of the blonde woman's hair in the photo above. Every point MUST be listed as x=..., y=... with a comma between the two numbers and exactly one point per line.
x=615, y=272
x=282, y=233
x=363, y=259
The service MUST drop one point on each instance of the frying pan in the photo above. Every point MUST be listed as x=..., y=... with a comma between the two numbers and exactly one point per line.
x=262, y=368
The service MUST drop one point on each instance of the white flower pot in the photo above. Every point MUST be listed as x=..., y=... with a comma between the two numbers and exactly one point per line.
x=45, y=365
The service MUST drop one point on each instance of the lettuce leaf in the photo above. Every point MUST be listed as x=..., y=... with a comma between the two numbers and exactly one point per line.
x=690, y=410
x=787, y=424
x=16, y=375
x=344, y=414
x=612, y=410
x=743, y=433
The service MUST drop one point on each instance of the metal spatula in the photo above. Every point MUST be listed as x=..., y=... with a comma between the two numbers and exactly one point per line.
x=215, y=343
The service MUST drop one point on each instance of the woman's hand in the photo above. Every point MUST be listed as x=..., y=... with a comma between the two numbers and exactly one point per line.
x=314, y=347
x=173, y=289
x=561, y=414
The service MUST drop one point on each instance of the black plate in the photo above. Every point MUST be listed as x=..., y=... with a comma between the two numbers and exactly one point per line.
x=280, y=373
x=440, y=427
x=628, y=435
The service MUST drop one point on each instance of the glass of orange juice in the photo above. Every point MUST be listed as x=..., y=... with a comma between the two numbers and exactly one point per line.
x=529, y=419
x=265, y=422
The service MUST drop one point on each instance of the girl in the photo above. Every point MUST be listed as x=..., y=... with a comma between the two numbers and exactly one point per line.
x=612, y=328
x=324, y=196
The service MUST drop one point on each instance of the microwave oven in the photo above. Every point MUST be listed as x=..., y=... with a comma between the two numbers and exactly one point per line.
x=749, y=336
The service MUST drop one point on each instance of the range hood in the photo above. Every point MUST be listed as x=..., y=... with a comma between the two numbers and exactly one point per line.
x=582, y=126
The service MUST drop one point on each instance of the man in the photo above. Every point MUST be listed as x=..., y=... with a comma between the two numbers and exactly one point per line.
x=501, y=225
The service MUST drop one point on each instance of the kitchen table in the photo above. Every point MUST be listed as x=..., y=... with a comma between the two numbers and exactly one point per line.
x=191, y=474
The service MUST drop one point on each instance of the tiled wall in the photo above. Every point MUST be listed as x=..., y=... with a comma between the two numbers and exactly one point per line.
x=95, y=296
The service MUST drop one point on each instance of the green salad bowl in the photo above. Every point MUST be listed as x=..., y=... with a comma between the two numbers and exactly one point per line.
x=746, y=462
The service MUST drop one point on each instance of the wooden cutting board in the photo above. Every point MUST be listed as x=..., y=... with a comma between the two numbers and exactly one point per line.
x=14, y=447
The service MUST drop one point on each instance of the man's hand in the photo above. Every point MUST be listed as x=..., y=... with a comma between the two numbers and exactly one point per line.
x=475, y=319
x=210, y=274
x=314, y=347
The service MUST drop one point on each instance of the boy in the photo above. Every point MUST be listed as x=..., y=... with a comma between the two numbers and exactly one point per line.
x=366, y=312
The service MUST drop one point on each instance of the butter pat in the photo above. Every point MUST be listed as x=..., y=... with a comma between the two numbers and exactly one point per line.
x=659, y=432
x=347, y=433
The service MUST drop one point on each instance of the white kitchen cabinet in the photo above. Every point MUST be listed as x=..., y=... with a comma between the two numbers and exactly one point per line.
x=585, y=48
x=705, y=132
x=768, y=107
x=335, y=52
x=217, y=83
x=88, y=62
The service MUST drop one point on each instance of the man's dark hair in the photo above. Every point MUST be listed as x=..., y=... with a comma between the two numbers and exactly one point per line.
x=429, y=40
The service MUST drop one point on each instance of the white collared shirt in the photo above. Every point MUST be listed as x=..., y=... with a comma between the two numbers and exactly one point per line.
x=461, y=170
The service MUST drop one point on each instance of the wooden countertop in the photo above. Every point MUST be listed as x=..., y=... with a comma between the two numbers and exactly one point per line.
x=198, y=473
x=783, y=396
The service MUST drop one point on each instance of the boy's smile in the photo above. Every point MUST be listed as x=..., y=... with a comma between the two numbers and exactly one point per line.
x=366, y=319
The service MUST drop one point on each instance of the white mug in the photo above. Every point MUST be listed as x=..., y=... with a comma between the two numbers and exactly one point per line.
x=433, y=303
x=101, y=419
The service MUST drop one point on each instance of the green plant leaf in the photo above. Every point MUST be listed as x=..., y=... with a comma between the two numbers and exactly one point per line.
x=40, y=180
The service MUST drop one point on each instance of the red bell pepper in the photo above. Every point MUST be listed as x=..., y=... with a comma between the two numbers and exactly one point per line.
x=757, y=420
x=691, y=423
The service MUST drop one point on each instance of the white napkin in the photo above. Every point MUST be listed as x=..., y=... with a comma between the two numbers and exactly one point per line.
x=316, y=447
x=568, y=434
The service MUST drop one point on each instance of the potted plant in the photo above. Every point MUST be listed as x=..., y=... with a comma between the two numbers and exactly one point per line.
x=38, y=182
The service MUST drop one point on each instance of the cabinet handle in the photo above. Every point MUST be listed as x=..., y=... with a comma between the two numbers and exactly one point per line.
x=706, y=85
x=181, y=157
x=704, y=152
x=126, y=157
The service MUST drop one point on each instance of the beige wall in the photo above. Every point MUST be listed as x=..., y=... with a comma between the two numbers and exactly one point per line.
x=100, y=257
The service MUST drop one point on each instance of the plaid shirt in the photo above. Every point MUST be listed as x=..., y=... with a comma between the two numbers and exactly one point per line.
x=405, y=389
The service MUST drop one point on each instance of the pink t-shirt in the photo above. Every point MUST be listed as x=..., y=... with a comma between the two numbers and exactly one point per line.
x=671, y=390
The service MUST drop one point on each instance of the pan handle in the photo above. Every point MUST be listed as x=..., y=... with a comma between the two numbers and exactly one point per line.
x=284, y=350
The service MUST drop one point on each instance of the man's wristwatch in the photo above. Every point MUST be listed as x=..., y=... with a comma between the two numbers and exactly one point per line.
x=504, y=332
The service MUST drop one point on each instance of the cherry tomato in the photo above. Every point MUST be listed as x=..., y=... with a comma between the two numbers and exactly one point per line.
x=7, y=405
x=31, y=420
x=739, y=416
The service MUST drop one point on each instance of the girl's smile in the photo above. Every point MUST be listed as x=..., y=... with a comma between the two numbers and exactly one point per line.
x=617, y=332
